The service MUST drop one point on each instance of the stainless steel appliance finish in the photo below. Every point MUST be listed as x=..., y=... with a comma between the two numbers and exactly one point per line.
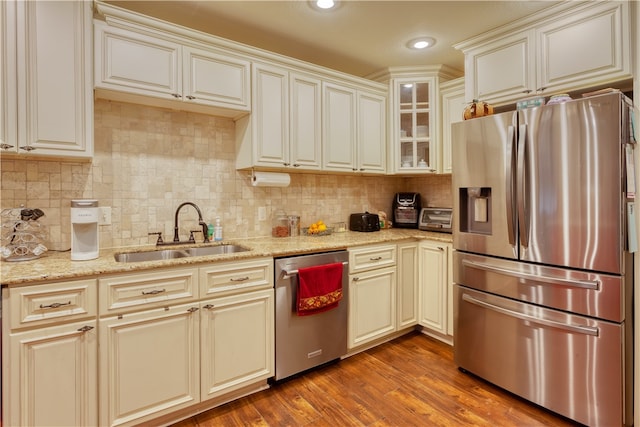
x=543, y=281
x=304, y=342
x=435, y=219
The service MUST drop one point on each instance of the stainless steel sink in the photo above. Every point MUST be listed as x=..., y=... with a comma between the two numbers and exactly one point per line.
x=177, y=253
x=215, y=250
x=151, y=255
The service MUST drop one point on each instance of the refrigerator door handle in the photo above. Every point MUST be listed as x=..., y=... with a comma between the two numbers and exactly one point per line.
x=583, y=284
x=586, y=330
x=523, y=217
x=511, y=219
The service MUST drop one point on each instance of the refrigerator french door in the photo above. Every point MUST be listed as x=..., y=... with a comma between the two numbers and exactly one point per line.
x=542, y=276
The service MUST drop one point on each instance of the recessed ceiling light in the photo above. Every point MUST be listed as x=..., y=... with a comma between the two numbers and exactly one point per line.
x=324, y=5
x=421, y=43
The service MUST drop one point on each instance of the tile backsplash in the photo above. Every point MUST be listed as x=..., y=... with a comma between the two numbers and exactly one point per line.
x=147, y=161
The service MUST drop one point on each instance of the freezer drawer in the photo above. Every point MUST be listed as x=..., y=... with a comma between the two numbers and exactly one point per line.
x=569, y=364
x=588, y=293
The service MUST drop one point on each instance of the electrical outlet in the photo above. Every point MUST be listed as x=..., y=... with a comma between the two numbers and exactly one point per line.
x=262, y=213
x=105, y=215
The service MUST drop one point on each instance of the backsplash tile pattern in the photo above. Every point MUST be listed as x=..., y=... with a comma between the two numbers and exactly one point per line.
x=149, y=160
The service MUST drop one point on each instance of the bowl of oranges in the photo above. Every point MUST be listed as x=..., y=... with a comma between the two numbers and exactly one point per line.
x=318, y=228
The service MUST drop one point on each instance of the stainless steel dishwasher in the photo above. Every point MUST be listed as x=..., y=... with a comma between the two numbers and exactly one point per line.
x=304, y=342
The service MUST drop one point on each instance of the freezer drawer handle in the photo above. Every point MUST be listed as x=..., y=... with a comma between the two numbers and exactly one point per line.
x=584, y=284
x=287, y=274
x=586, y=330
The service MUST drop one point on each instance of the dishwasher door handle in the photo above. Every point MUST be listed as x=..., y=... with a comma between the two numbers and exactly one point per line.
x=287, y=274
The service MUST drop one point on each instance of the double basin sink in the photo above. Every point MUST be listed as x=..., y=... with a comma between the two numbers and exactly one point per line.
x=162, y=254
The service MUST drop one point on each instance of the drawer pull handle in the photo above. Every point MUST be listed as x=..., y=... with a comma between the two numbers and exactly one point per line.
x=376, y=258
x=154, y=292
x=209, y=306
x=240, y=279
x=85, y=329
x=192, y=309
x=55, y=305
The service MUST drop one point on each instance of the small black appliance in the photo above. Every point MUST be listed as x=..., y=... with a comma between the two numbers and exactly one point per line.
x=406, y=210
x=364, y=222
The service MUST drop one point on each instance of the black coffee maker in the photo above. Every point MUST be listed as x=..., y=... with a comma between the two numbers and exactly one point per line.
x=406, y=210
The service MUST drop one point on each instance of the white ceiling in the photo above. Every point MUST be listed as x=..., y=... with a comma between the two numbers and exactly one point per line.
x=360, y=37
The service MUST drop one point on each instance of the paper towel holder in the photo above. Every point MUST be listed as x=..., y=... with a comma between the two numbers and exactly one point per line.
x=269, y=179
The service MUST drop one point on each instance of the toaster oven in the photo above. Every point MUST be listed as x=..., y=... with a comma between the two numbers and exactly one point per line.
x=435, y=219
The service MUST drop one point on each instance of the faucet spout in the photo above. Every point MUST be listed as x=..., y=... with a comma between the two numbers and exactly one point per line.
x=176, y=237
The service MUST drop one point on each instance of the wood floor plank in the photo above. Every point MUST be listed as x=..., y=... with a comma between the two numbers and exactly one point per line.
x=411, y=381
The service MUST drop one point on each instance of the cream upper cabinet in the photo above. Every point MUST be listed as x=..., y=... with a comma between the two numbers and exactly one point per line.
x=284, y=129
x=146, y=68
x=46, y=72
x=434, y=285
x=560, y=49
x=49, y=348
x=452, y=103
x=354, y=138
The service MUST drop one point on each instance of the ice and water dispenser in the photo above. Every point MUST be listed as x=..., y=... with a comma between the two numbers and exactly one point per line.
x=84, y=229
x=475, y=210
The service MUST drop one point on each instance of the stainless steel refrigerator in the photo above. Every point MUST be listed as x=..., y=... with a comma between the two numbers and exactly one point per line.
x=542, y=270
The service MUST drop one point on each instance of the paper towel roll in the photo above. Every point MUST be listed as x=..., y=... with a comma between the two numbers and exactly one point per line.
x=270, y=179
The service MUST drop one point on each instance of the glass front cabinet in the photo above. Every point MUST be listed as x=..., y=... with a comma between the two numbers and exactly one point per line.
x=414, y=125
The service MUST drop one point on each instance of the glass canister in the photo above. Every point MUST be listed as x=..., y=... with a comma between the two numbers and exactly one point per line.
x=294, y=225
x=280, y=224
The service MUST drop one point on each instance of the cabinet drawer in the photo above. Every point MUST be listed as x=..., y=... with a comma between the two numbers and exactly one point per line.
x=370, y=257
x=52, y=303
x=231, y=277
x=147, y=290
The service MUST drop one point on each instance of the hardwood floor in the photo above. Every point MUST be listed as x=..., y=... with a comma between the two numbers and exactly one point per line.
x=411, y=381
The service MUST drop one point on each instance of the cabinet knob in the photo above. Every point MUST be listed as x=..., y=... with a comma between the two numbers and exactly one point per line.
x=192, y=309
x=355, y=279
x=85, y=329
x=295, y=165
x=191, y=97
x=28, y=148
x=209, y=306
x=176, y=95
x=6, y=146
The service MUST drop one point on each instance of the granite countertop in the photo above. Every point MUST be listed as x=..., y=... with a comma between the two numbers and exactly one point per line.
x=53, y=266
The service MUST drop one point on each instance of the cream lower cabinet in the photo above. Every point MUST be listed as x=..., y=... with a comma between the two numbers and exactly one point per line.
x=174, y=338
x=407, y=294
x=236, y=341
x=149, y=364
x=434, y=285
x=372, y=293
x=49, y=353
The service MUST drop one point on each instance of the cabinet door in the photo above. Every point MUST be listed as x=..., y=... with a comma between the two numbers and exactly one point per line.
x=149, y=364
x=215, y=79
x=137, y=63
x=433, y=285
x=372, y=140
x=8, y=78
x=503, y=70
x=339, y=129
x=585, y=48
x=270, y=116
x=372, y=305
x=306, y=121
x=453, y=105
x=53, y=376
x=53, y=78
x=237, y=339
x=407, y=284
